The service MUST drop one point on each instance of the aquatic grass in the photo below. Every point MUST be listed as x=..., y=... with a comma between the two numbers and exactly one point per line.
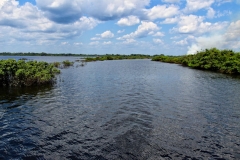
x=56, y=64
x=63, y=64
x=67, y=63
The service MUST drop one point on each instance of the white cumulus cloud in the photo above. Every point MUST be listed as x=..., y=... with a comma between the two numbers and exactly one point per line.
x=204, y=42
x=171, y=1
x=143, y=30
x=158, y=34
x=195, y=5
x=64, y=43
x=170, y=20
x=95, y=43
x=28, y=23
x=65, y=11
x=129, y=41
x=196, y=25
x=107, y=34
x=113, y=9
x=95, y=38
x=189, y=24
x=233, y=31
x=157, y=41
x=120, y=31
x=211, y=13
x=78, y=43
x=128, y=21
x=230, y=39
x=107, y=43
x=181, y=42
x=162, y=11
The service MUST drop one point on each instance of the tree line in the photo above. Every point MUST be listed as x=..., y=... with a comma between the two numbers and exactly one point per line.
x=41, y=54
x=224, y=61
x=117, y=57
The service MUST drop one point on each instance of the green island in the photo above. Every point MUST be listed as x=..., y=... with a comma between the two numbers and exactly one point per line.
x=26, y=73
x=224, y=61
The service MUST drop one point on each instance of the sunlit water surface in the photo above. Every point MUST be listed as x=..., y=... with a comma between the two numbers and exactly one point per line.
x=129, y=109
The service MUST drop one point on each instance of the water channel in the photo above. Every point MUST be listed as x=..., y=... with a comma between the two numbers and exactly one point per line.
x=126, y=109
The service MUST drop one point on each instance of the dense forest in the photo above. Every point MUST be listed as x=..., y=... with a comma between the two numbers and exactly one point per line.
x=224, y=61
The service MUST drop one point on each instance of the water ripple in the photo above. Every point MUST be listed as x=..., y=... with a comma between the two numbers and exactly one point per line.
x=123, y=110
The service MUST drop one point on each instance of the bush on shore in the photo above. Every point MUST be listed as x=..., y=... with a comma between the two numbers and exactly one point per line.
x=22, y=73
x=224, y=61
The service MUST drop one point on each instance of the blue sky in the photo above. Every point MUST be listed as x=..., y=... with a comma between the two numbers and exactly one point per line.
x=171, y=27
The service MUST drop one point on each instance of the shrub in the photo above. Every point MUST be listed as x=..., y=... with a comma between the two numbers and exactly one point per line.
x=67, y=63
x=21, y=73
x=225, y=61
x=56, y=64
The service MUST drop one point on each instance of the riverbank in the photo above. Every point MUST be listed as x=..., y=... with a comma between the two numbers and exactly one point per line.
x=224, y=61
x=117, y=57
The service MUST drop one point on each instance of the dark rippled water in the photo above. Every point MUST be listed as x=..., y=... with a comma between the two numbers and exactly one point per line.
x=130, y=109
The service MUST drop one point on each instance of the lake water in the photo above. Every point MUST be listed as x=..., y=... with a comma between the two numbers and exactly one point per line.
x=129, y=109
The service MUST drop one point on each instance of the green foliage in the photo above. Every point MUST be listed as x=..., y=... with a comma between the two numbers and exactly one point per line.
x=56, y=64
x=63, y=64
x=168, y=59
x=225, y=61
x=22, y=73
x=67, y=63
x=117, y=57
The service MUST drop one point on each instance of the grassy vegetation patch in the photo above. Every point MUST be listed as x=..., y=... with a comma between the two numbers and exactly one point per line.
x=63, y=64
